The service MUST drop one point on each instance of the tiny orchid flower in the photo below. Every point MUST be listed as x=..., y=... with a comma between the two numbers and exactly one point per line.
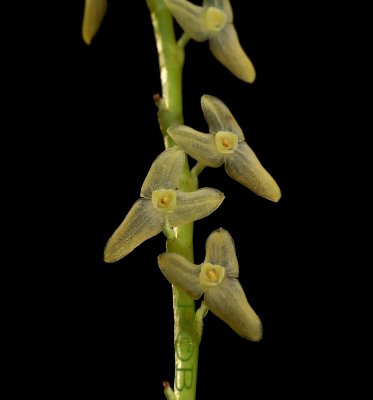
x=225, y=144
x=161, y=206
x=94, y=12
x=217, y=279
x=214, y=22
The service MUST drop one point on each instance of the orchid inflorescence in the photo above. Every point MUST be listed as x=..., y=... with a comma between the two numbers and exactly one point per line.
x=164, y=207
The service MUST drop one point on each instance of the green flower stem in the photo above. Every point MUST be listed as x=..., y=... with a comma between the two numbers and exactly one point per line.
x=200, y=314
x=197, y=169
x=170, y=113
x=183, y=41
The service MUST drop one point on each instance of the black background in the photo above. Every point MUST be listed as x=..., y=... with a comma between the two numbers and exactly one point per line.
x=105, y=330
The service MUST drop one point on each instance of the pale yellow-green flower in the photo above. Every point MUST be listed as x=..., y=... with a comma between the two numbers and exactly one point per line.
x=225, y=144
x=213, y=21
x=217, y=279
x=94, y=12
x=161, y=206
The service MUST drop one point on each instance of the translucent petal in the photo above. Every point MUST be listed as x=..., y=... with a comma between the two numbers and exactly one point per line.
x=228, y=302
x=226, y=142
x=220, y=250
x=142, y=222
x=215, y=20
x=211, y=274
x=200, y=146
x=94, y=12
x=190, y=17
x=181, y=273
x=164, y=200
x=219, y=117
x=191, y=206
x=244, y=167
x=223, y=5
x=226, y=47
x=165, y=171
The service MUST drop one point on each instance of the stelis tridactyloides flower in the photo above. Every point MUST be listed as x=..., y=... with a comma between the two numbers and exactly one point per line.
x=94, y=12
x=217, y=279
x=225, y=144
x=213, y=21
x=161, y=206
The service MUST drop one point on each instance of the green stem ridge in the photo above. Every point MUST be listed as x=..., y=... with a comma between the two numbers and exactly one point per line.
x=170, y=113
